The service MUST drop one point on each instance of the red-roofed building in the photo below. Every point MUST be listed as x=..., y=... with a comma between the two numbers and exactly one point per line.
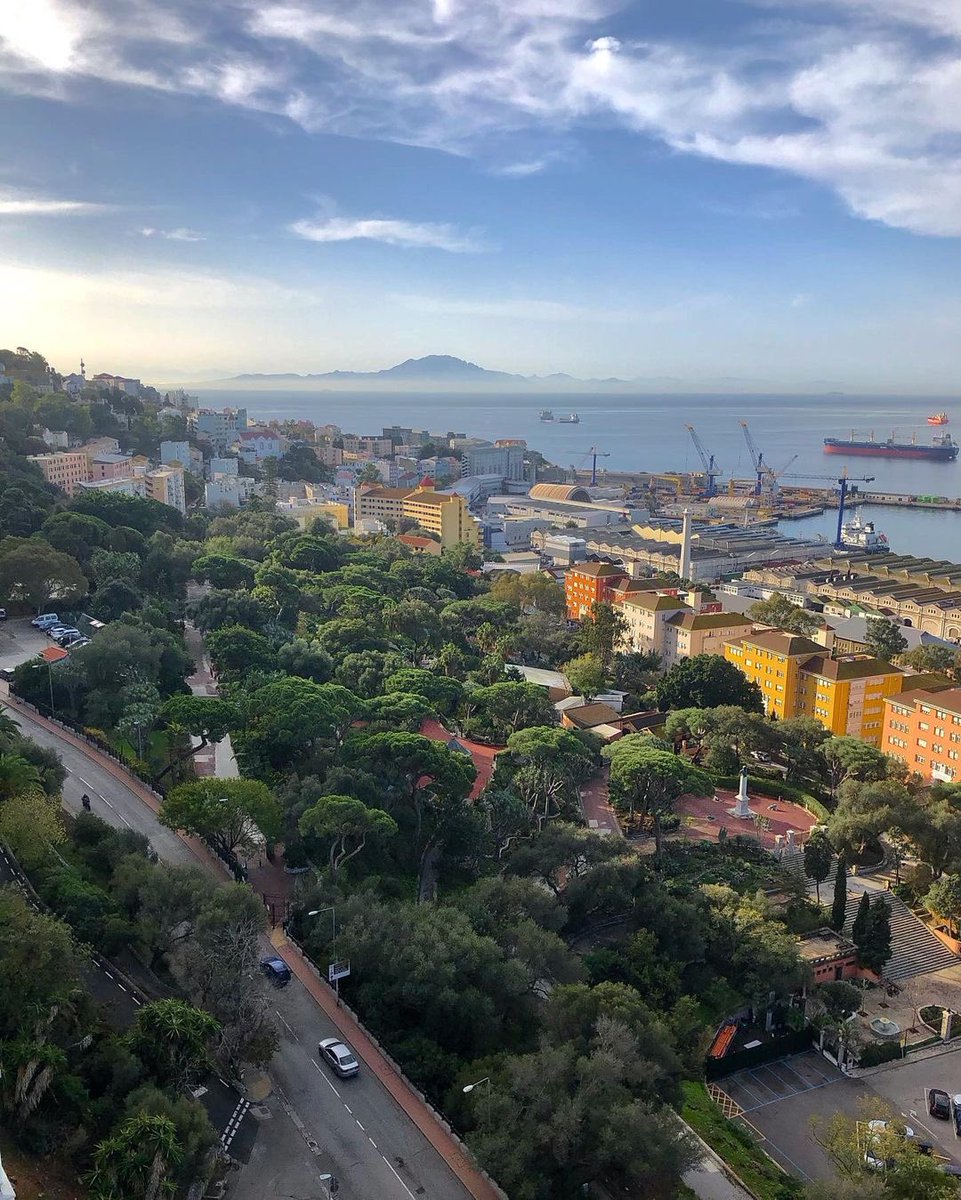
x=53, y=654
x=419, y=545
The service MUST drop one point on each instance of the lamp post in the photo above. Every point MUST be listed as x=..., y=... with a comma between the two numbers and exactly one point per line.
x=37, y=667
x=469, y=1087
x=318, y=912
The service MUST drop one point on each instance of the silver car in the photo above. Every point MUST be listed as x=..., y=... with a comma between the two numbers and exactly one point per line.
x=339, y=1056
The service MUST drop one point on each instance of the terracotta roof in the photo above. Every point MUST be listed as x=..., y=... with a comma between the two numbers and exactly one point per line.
x=435, y=498
x=949, y=699
x=589, y=715
x=53, y=654
x=693, y=620
x=385, y=493
x=410, y=539
x=780, y=642
x=847, y=667
x=596, y=570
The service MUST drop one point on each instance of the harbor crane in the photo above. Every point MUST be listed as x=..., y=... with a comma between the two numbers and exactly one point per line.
x=711, y=469
x=842, y=482
x=594, y=454
x=762, y=470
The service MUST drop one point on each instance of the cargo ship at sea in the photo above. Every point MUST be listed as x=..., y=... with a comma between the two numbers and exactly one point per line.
x=940, y=418
x=942, y=449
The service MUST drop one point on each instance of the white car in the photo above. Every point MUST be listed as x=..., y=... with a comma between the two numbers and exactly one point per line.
x=339, y=1056
x=873, y=1144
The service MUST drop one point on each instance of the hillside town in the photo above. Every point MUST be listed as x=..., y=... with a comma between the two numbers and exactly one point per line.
x=348, y=712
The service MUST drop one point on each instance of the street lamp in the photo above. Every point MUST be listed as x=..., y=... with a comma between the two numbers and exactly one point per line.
x=37, y=667
x=469, y=1087
x=318, y=912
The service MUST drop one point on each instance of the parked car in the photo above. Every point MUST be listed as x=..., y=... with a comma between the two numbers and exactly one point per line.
x=939, y=1104
x=53, y=630
x=45, y=619
x=339, y=1056
x=67, y=635
x=874, y=1145
x=3, y=614
x=76, y=643
x=276, y=971
x=956, y=1107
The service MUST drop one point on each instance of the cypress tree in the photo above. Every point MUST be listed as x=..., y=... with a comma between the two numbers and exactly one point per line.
x=840, y=904
x=862, y=920
x=874, y=949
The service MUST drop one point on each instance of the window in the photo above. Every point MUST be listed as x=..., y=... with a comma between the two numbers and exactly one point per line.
x=919, y=758
x=923, y=742
x=923, y=725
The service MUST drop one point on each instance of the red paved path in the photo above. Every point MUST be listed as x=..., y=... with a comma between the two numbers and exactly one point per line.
x=708, y=815
x=482, y=755
x=362, y=1043
x=596, y=806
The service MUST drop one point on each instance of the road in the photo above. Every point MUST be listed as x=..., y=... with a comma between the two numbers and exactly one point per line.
x=369, y=1141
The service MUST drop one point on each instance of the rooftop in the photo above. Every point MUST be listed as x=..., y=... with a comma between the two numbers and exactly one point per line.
x=849, y=667
x=589, y=715
x=788, y=644
x=653, y=602
x=597, y=570
x=823, y=943
x=693, y=620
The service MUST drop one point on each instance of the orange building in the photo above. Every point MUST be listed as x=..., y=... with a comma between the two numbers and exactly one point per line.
x=588, y=584
x=923, y=729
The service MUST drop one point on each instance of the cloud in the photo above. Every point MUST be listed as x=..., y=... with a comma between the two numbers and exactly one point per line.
x=174, y=235
x=529, y=309
x=409, y=234
x=862, y=97
x=13, y=205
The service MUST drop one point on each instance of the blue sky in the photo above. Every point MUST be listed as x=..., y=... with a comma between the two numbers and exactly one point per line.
x=718, y=193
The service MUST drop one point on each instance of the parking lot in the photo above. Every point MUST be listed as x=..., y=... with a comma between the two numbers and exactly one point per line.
x=780, y=1100
x=19, y=641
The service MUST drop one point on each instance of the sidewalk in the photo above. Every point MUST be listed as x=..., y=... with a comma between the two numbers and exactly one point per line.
x=402, y=1092
x=217, y=758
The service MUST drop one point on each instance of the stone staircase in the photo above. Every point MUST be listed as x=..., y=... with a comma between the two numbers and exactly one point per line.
x=914, y=948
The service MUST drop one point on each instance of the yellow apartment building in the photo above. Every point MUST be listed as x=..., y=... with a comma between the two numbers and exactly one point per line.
x=445, y=515
x=798, y=678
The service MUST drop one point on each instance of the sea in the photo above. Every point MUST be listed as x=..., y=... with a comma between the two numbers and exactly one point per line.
x=648, y=433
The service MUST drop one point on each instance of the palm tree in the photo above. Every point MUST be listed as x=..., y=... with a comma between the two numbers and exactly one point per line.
x=172, y=1037
x=9, y=729
x=133, y=1162
x=17, y=776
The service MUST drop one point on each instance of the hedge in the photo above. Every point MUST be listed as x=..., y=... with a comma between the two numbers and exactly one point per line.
x=777, y=791
x=880, y=1052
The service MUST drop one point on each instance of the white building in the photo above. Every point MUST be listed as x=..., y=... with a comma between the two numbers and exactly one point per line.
x=228, y=491
x=220, y=429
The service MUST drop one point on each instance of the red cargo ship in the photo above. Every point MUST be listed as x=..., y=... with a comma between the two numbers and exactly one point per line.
x=943, y=449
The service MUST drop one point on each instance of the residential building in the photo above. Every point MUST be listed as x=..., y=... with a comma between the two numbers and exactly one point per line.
x=445, y=515
x=690, y=633
x=110, y=466
x=506, y=461
x=798, y=678
x=369, y=447
x=124, y=485
x=223, y=466
x=830, y=956
x=228, y=491
x=922, y=727
x=166, y=485
x=65, y=470
x=330, y=456
x=56, y=439
x=73, y=384
x=118, y=383
x=219, y=429
x=587, y=584
x=176, y=452
x=419, y=544
x=254, y=445
x=305, y=510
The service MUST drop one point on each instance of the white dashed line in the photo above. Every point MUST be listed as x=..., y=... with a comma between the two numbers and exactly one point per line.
x=399, y=1180
x=287, y=1027
x=120, y=985
x=107, y=973
x=359, y=1126
x=371, y=1140
x=323, y=1075
x=100, y=796
x=349, y=1109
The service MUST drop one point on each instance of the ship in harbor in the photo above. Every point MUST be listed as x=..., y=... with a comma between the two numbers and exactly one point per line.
x=546, y=415
x=862, y=537
x=570, y=419
x=940, y=418
x=942, y=449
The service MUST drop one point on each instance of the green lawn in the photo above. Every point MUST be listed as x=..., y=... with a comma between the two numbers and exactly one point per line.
x=736, y=1146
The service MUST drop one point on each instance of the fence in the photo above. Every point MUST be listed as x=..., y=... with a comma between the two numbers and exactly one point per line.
x=790, y=1043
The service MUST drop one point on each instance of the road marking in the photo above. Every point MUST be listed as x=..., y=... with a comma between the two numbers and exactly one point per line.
x=371, y=1140
x=323, y=1075
x=107, y=973
x=100, y=796
x=399, y=1180
x=349, y=1109
x=359, y=1126
x=286, y=1026
x=120, y=985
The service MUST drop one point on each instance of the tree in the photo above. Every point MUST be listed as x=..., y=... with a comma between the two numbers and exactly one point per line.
x=172, y=1039
x=115, y=598
x=444, y=694
x=236, y=650
x=840, y=903
x=224, y=571
x=936, y=832
x=884, y=638
x=39, y=965
x=141, y=708
x=939, y=659
x=227, y=813
x=544, y=766
x=17, y=774
x=862, y=919
x=285, y=720
x=504, y=708
x=309, y=660
x=850, y=758
x=31, y=823
x=208, y=718
x=348, y=824
x=649, y=781
x=866, y=811
x=32, y=571
x=705, y=681
x=944, y=900
x=874, y=948
x=586, y=675
x=531, y=593
x=219, y=608
x=601, y=631
x=818, y=856
x=135, y=1160
x=778, y=612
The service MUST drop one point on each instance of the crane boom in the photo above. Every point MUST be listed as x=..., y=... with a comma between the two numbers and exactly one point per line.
x=842, y=482
x=711, y=469
x=594, y=454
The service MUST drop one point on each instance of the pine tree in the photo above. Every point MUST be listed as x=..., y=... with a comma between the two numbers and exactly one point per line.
x=839, y=907
x=862, y=921
x=874, y=949
x=818, y=854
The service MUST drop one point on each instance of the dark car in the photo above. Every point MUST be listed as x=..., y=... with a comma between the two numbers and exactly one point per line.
x=956, y=1109
x=939, y=1104
x=276, y=971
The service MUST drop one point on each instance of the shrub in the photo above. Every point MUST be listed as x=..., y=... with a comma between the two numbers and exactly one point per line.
x=879, y=1052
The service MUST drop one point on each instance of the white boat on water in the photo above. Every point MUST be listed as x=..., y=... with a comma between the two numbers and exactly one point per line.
x=863, y=537
x=546, y=415
x=570, y=419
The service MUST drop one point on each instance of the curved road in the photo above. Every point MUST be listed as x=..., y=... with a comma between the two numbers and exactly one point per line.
x=373, y=1146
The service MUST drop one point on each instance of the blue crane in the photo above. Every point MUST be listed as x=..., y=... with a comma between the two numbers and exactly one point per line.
x=711, y=469
x=842, y=484
x=594, y=454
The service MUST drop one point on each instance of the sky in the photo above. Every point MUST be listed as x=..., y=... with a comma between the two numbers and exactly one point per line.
x=724, y=194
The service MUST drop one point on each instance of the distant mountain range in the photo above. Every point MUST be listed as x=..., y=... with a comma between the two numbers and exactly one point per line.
x=434, y=372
